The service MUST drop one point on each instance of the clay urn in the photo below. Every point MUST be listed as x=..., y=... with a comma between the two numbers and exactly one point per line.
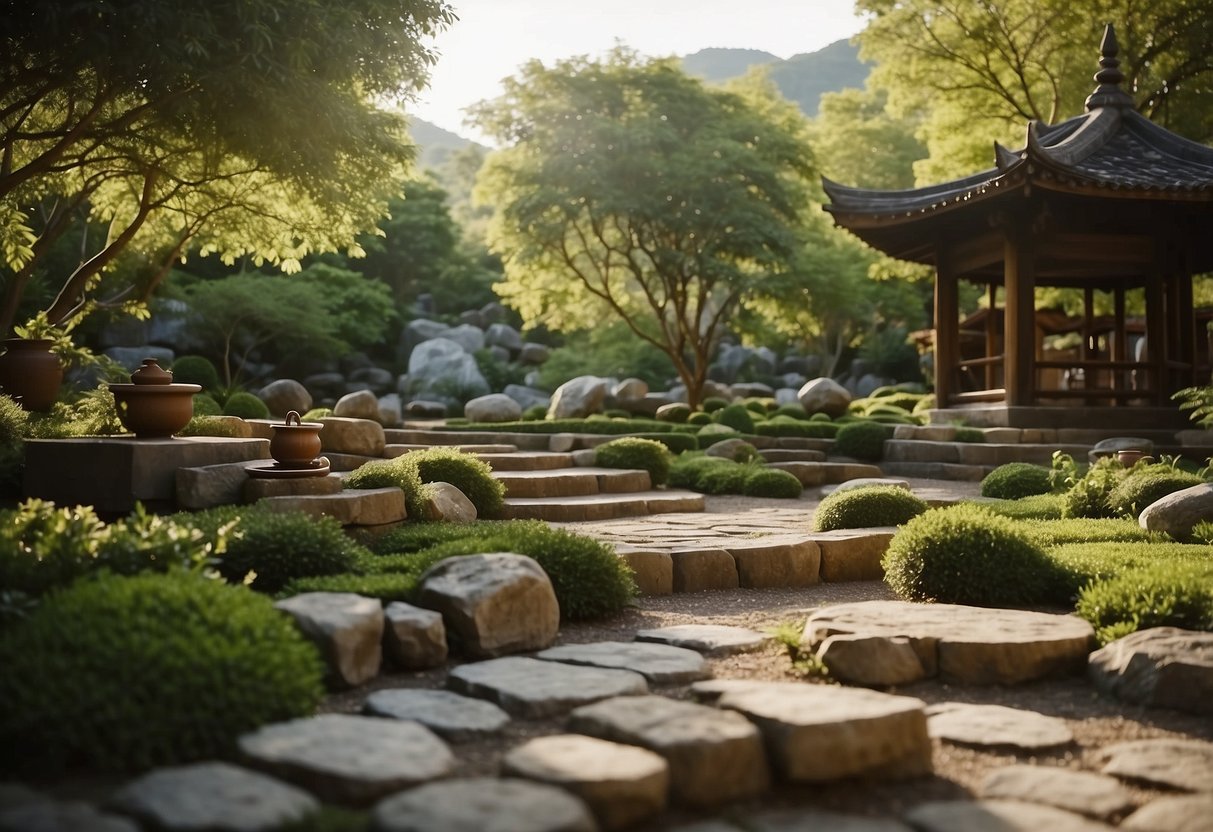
x=30, y=372
x=295, y=444
x=152, y=406
x=1130, y=457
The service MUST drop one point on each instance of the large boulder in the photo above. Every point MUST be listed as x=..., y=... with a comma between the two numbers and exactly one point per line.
x=376, y=379
x=1162, y=667
x=343, y=435
x=347, y=629
x=1177, y=513
x=505, y=336
x=360, y=405
x=444, y=503
x=493, y=604
x=534, y=354
x=284, y=395
x=417, y=331
x=578, y=398
x=495, y=407
x=441, y=370
x=824, y=395
x=471, y=338
x=527, y=397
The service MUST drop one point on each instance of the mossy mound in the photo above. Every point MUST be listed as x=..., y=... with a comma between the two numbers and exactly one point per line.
x=1016, y=480
x=771, y=482
x=862, y=440
x=1145, y=485
x=867, y=507
x=246, y=406
x=277, y=548
x=630, y=452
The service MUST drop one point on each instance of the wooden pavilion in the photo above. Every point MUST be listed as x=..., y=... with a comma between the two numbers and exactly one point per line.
x=1104, y=202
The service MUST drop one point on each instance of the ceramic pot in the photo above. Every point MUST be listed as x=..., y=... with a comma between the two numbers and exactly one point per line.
x=295, y=444
x=30, y=372
x=1129, y=458
x=151, y=406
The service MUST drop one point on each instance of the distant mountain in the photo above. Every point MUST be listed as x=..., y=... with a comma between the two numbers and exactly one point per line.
x=801, y=78
x=435, y=143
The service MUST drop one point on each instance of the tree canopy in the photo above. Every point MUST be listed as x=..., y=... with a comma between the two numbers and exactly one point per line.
x=266, y=128
x=627, y=189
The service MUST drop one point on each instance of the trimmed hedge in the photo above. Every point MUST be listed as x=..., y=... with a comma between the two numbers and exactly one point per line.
x=862, y=440
x=1015, y=480
x=194, y=369
x=858, y=508
x=771, y=482
x=246, y=406
x=736, y=416
x=632, y=452
x=126, y=673
x=282, y=547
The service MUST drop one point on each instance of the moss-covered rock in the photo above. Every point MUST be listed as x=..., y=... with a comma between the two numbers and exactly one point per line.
x=643, y=454
x=1015, y=480
x=771, y=482
x=862, y=440
x=867, y=507
x=736, y=416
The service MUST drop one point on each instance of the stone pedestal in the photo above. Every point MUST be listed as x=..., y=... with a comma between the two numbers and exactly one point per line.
x=113, y=473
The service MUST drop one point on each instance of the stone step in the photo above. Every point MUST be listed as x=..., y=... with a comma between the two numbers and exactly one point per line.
x=601, y=506
x=525, y=460
x=353, y=507
x=573, y=482
x=803, y=443
x=396, y=449
x=792, y=455
x=461, y=438
x=822, y=473
x=976, y=453
x=938, y=470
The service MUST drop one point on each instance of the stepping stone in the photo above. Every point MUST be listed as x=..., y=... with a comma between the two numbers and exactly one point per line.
x=853, y=554
x=708, y=639
x=622, y=784
x=492, y=604
x=353, y=507
x=349, y=759
x=1183, y=813
x=966, y=645
x=65, y=816
x=1084, y=792
x=483, y=804
x=714, y=756
x=413, y=638
x=997, y=816
x=799, y=820
x=697, y=569
x=660, y=664
x=347, y=628
x=1163, y=667
x=533, y=689
x=823, y=732
x=213, y=796
x=871, y=661
x=1186, y=765
x=652, y=570
x=985, y=726
x=776, y=561
x=455, y=718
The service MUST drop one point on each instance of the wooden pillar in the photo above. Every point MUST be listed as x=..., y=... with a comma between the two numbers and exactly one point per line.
x=1187, y=329
x=1120, y=348
x=1156, y=337
x=947, y=326
x=1019, y=339
x=992, y=335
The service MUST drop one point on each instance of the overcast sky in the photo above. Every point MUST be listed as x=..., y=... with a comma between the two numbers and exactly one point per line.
x=493, y=37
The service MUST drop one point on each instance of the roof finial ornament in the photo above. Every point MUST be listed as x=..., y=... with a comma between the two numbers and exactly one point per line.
x=1109, y=93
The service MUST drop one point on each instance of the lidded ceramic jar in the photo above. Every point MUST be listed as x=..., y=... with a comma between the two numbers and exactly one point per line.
x=152, y=406
x=295, y=444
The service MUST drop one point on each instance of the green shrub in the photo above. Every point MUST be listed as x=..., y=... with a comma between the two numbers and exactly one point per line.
x=1088, y=495
x=788, y=426
x=965, y=554
x=771, y=482
x=1037, y=507
x=759, y=407
x=1015, y=480
x=792, y=410
x=94, y=413
x=726, y=478
x=194, y=369
x=675, y=443
x=205, y=405
x=714, y=403
x=686, y=467
x=211, y=426
x=970, y=435
x=630, y=452
x=13, y=425
x=699, y=418
x=862, y=440
x=125, y=673
x=737, y=417
x=386, y=473
x=1147, y=484
x=867, y=507
x=386, y=586
x=316, y=414
x=1059, y=532
x=246, y=406
x=280, y=547
x=1202, y=532
x=1163, y=595
x=471, y=475
x=1080, y=564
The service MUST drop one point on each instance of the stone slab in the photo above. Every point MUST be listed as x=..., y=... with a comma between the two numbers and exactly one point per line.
x=708, y=639
x=254, y=488
x=996, y=726
x=853, y=554
x=455, y=718
x=622, y=784
x=714, y=756
x=113, y=473
x=62, y=816
x=997, y=816
x=776, y=561
x=346, y=759
x=213, y=796
x=816, y=733
x=1181, y=813
x=1095, y=795
x=346, y=628
x=353, y=507
x=966, y=645
x=532, y=688
x=871, y=661
x=1162, y=667
x=597, y=507
x=208, y=486
x=660, y=664
x=699, y=569
x=652, y=570
x=483, y=804
x=1183, y=764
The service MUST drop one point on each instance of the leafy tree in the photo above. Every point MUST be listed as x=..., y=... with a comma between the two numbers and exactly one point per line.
x=232, y=126
x=628, y=190
x=857, y=141
x=979, y=70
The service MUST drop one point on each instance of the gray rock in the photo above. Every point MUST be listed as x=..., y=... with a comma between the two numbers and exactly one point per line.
x=493, y=604
x=1116, y=444
x=1163, y=667
x=343, y=435
x=325, y=385
x=622, y=784
x=1181, y=764
x=361, y=405
x=347, y=628
x=532, y=688
x=534, y=354
x=997, y=816
x=208, y=486
x=1094, y=795
x=527, y=397
x=61, y=816
x=471, y=338
x=503, y=335
x=735, y=449
x=494, y=312
x=284, y=395
x=578, y=398
x=708, y=639
x=375, y=378
x=441, y=370
x=413, y=638
x=417, y=331
x=871, y=661
x=996, y=726
x=673, y=412
x=483, y=804
x=495, y=407
x=714, y=756
x=346, y=759
x=751, y=389
x=824, y=395
x=472, y=317
x=1178, y=512
x=446, y=503
x=391, y=410
x=816, y=733
x=123, y=331
x=660, y=664
x=787, y=395
x=422, y=409
x=1182, y=813
x=353, y=362
x=499, y=353
x=801, y=820
x=456, y=718
x=869, y=383
x=213, y=796
x=806, y=365
x=630, y=388
x=168, y=322
x=131, y=357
